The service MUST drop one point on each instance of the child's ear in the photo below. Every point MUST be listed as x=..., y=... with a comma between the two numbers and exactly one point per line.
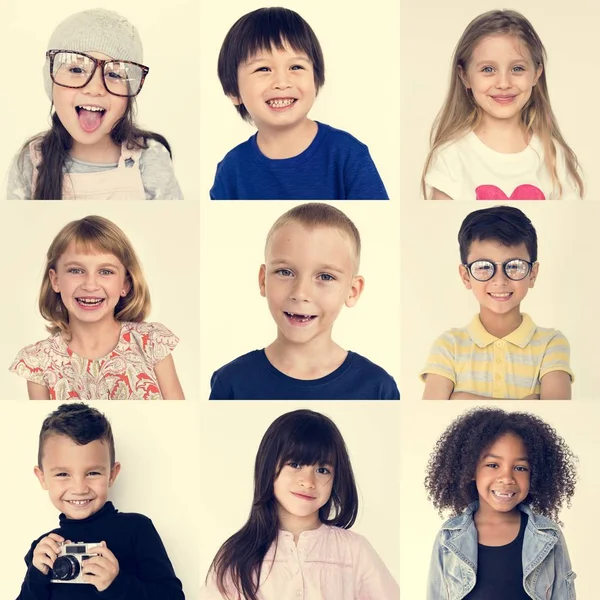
x=534, y=273
x=463, y=77
x=236, y=101
x=114, y=472
x=126, y=287
x=358, y=285
x=261, y=280
x=53, y=276
x=40, y=475
x=464, y=276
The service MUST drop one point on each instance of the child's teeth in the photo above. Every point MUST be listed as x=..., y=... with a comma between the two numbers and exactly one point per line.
x=281, y=103
x=92, y=108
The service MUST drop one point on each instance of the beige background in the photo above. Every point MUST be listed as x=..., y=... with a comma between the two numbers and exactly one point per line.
x=430, y=31
x=362, y=80
x=231, y=433
x=168, y=103
x=564, y=297
x=421, y=427
x=156, y=444
x=165, y=238
x=236, y=318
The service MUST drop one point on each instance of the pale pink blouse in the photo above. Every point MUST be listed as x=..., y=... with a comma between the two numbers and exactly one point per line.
x=328, y=563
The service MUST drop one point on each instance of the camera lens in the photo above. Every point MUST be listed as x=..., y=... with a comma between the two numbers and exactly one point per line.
x=65, y=568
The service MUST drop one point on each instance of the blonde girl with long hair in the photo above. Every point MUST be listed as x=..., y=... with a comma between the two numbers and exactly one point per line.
x=496, y=137
x=95, y=299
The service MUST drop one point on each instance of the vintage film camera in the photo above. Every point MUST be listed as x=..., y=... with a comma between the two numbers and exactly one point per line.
x=69, y=563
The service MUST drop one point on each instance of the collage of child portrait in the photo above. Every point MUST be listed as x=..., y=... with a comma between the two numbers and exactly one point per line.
x=362, y=296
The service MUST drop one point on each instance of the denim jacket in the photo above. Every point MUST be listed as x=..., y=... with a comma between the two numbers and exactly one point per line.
x=547, y=573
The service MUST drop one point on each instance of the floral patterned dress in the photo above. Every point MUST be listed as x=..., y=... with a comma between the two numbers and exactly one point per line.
x=126, y=373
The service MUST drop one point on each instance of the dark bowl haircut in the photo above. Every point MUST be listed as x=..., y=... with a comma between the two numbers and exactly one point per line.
x=262, y=30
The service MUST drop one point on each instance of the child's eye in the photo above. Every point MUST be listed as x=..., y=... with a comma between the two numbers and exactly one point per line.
x=487, y=70
x=75, y=271
x=262, y=70
x=492, y=465
x=326, y=277
x=296, y=67
x=284, y=272
x=521, y=468
x=60, y=475
x=519, y=69
x=294, y=465
x=323, y=471
x=106, y=272
x=94, y=473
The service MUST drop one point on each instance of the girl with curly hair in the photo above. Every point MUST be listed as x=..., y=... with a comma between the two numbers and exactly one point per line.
x=504, y=477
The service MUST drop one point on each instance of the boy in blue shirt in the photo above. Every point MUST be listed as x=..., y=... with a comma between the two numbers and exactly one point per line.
x=271, y=67
x=76, y=465
x=312, y=256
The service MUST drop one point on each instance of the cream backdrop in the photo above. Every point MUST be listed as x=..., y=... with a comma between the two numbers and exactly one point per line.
x=157, y=446
x=430, y=31
x=165, y=238
x=168, y=104
x=236, y=318
x=370, y=431
x=421, y=427
x=362, y=79
x=564, y=297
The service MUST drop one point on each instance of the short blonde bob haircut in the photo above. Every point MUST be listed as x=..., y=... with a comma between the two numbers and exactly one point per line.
x=94, y=235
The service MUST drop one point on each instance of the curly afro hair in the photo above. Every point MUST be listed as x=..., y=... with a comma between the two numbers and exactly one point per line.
x=453, y=462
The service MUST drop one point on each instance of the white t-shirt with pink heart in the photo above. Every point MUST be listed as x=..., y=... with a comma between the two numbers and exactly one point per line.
x=467, y=169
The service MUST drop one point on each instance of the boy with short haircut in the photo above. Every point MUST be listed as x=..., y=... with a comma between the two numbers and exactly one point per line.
x=271, y=67
x=312, y=256
x=76, y=465
x=501, y=353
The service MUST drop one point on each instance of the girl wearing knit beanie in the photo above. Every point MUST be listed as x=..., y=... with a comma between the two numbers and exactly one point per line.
x=93, y=150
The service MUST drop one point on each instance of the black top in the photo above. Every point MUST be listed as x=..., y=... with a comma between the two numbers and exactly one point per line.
x=500, y=570
x=145, y=571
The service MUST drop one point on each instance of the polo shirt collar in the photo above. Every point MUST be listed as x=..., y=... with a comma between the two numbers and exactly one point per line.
x=520, y=337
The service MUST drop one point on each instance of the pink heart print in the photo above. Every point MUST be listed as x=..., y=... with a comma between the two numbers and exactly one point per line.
x=521, y=192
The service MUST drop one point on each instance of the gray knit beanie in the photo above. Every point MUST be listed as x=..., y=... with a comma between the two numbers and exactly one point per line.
x=96, y=30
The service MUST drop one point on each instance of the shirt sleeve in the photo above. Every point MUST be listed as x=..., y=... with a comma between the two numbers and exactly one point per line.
x=374, y=581
x=445, y=173
x=220, y=190
x=19, y=177
x=219, y=387
x=362, y=178
x=441, y=359
x=436, y=590
x=557, y=356
x=564, y=576
x=31, y=363
x=158, y=342
x=154, y=577
x=36, y=585
x=157, y=172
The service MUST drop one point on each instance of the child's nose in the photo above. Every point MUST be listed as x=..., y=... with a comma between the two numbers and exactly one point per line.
x=281, y=80
x=79, y=485
x=503, y=80
x=301, y=289
x=307, y=478
x=90, y=281
x=95, y=85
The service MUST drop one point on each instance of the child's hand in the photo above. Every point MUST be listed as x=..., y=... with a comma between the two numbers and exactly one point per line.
x=46, y=551
x=100, y=570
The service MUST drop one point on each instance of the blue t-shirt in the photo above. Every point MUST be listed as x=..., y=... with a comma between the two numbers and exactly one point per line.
x=253, y=377
x=336, y=166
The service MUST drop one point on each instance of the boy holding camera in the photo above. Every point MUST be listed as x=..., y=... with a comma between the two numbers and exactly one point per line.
x=120, y=556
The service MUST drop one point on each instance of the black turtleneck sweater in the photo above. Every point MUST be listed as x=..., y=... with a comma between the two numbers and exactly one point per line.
x=145, y=571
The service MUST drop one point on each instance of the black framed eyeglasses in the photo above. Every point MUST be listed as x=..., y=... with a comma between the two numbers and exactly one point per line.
x=515, y=269
x=75, y=70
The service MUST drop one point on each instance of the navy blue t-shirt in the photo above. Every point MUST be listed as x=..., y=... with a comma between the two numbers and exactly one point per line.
x=253, y=377
x=336, y=166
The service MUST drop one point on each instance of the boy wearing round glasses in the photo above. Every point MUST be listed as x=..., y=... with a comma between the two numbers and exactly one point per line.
x=501, y=353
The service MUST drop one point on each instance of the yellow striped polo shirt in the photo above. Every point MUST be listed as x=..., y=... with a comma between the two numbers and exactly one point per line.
x=510, y=367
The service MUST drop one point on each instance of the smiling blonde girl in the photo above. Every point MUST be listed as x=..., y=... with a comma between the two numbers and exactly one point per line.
x=496, y=137
x=95, y=299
